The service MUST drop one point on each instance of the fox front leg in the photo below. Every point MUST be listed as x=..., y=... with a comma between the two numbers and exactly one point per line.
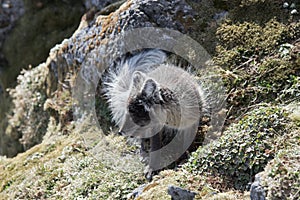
x=155, y=145
x=144, y=152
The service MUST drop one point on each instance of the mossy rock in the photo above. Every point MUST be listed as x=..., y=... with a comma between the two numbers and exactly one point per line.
x=205, y=187
x=245, y=148
x=28, y=121
x=281, y=177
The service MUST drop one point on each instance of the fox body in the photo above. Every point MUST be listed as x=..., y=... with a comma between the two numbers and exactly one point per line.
x=146, y=94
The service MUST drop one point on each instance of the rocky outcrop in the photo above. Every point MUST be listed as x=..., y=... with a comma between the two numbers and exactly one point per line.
x=178, y=193
x=257, y=192
x=95, y=30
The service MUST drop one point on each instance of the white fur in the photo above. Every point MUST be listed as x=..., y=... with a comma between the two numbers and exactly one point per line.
x=127, y=79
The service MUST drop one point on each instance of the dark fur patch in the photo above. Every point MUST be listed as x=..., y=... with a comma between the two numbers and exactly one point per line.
x=139, y=111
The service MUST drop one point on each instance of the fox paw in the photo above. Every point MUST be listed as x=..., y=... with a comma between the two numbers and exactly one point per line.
x=148, y=173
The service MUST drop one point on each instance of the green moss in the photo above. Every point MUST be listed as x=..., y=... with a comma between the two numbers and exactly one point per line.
x=245, y=148
x=203, y=26
x=29, y=121
x=281, y=177
x=250, y=40
x=63, y=167
x=205, y=187
x=258, y=11
x=258, y=63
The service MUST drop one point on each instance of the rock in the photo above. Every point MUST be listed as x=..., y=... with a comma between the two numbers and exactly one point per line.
x=285, y=5
x=257, y=192
x=90, y=39
x=178, y=193
x=294, y=12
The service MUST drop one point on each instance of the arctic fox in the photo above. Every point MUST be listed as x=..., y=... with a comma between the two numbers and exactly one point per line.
x=146, y=95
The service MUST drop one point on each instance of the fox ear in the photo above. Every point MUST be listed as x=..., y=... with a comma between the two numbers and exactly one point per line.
x=138, y=79
x=149, y=88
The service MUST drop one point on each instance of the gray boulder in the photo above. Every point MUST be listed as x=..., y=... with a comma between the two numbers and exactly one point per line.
x=257, y=192
x=178, y=193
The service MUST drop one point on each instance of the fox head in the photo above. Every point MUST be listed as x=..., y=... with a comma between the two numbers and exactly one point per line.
x=139, y=107
x=145, y=94
x=145, y=112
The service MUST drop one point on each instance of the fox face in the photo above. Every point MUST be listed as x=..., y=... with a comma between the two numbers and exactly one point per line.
x=144, y=109
x=139, y=107
x=139, y=111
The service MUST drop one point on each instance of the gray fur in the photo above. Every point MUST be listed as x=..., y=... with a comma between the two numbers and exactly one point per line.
x=131, y=75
